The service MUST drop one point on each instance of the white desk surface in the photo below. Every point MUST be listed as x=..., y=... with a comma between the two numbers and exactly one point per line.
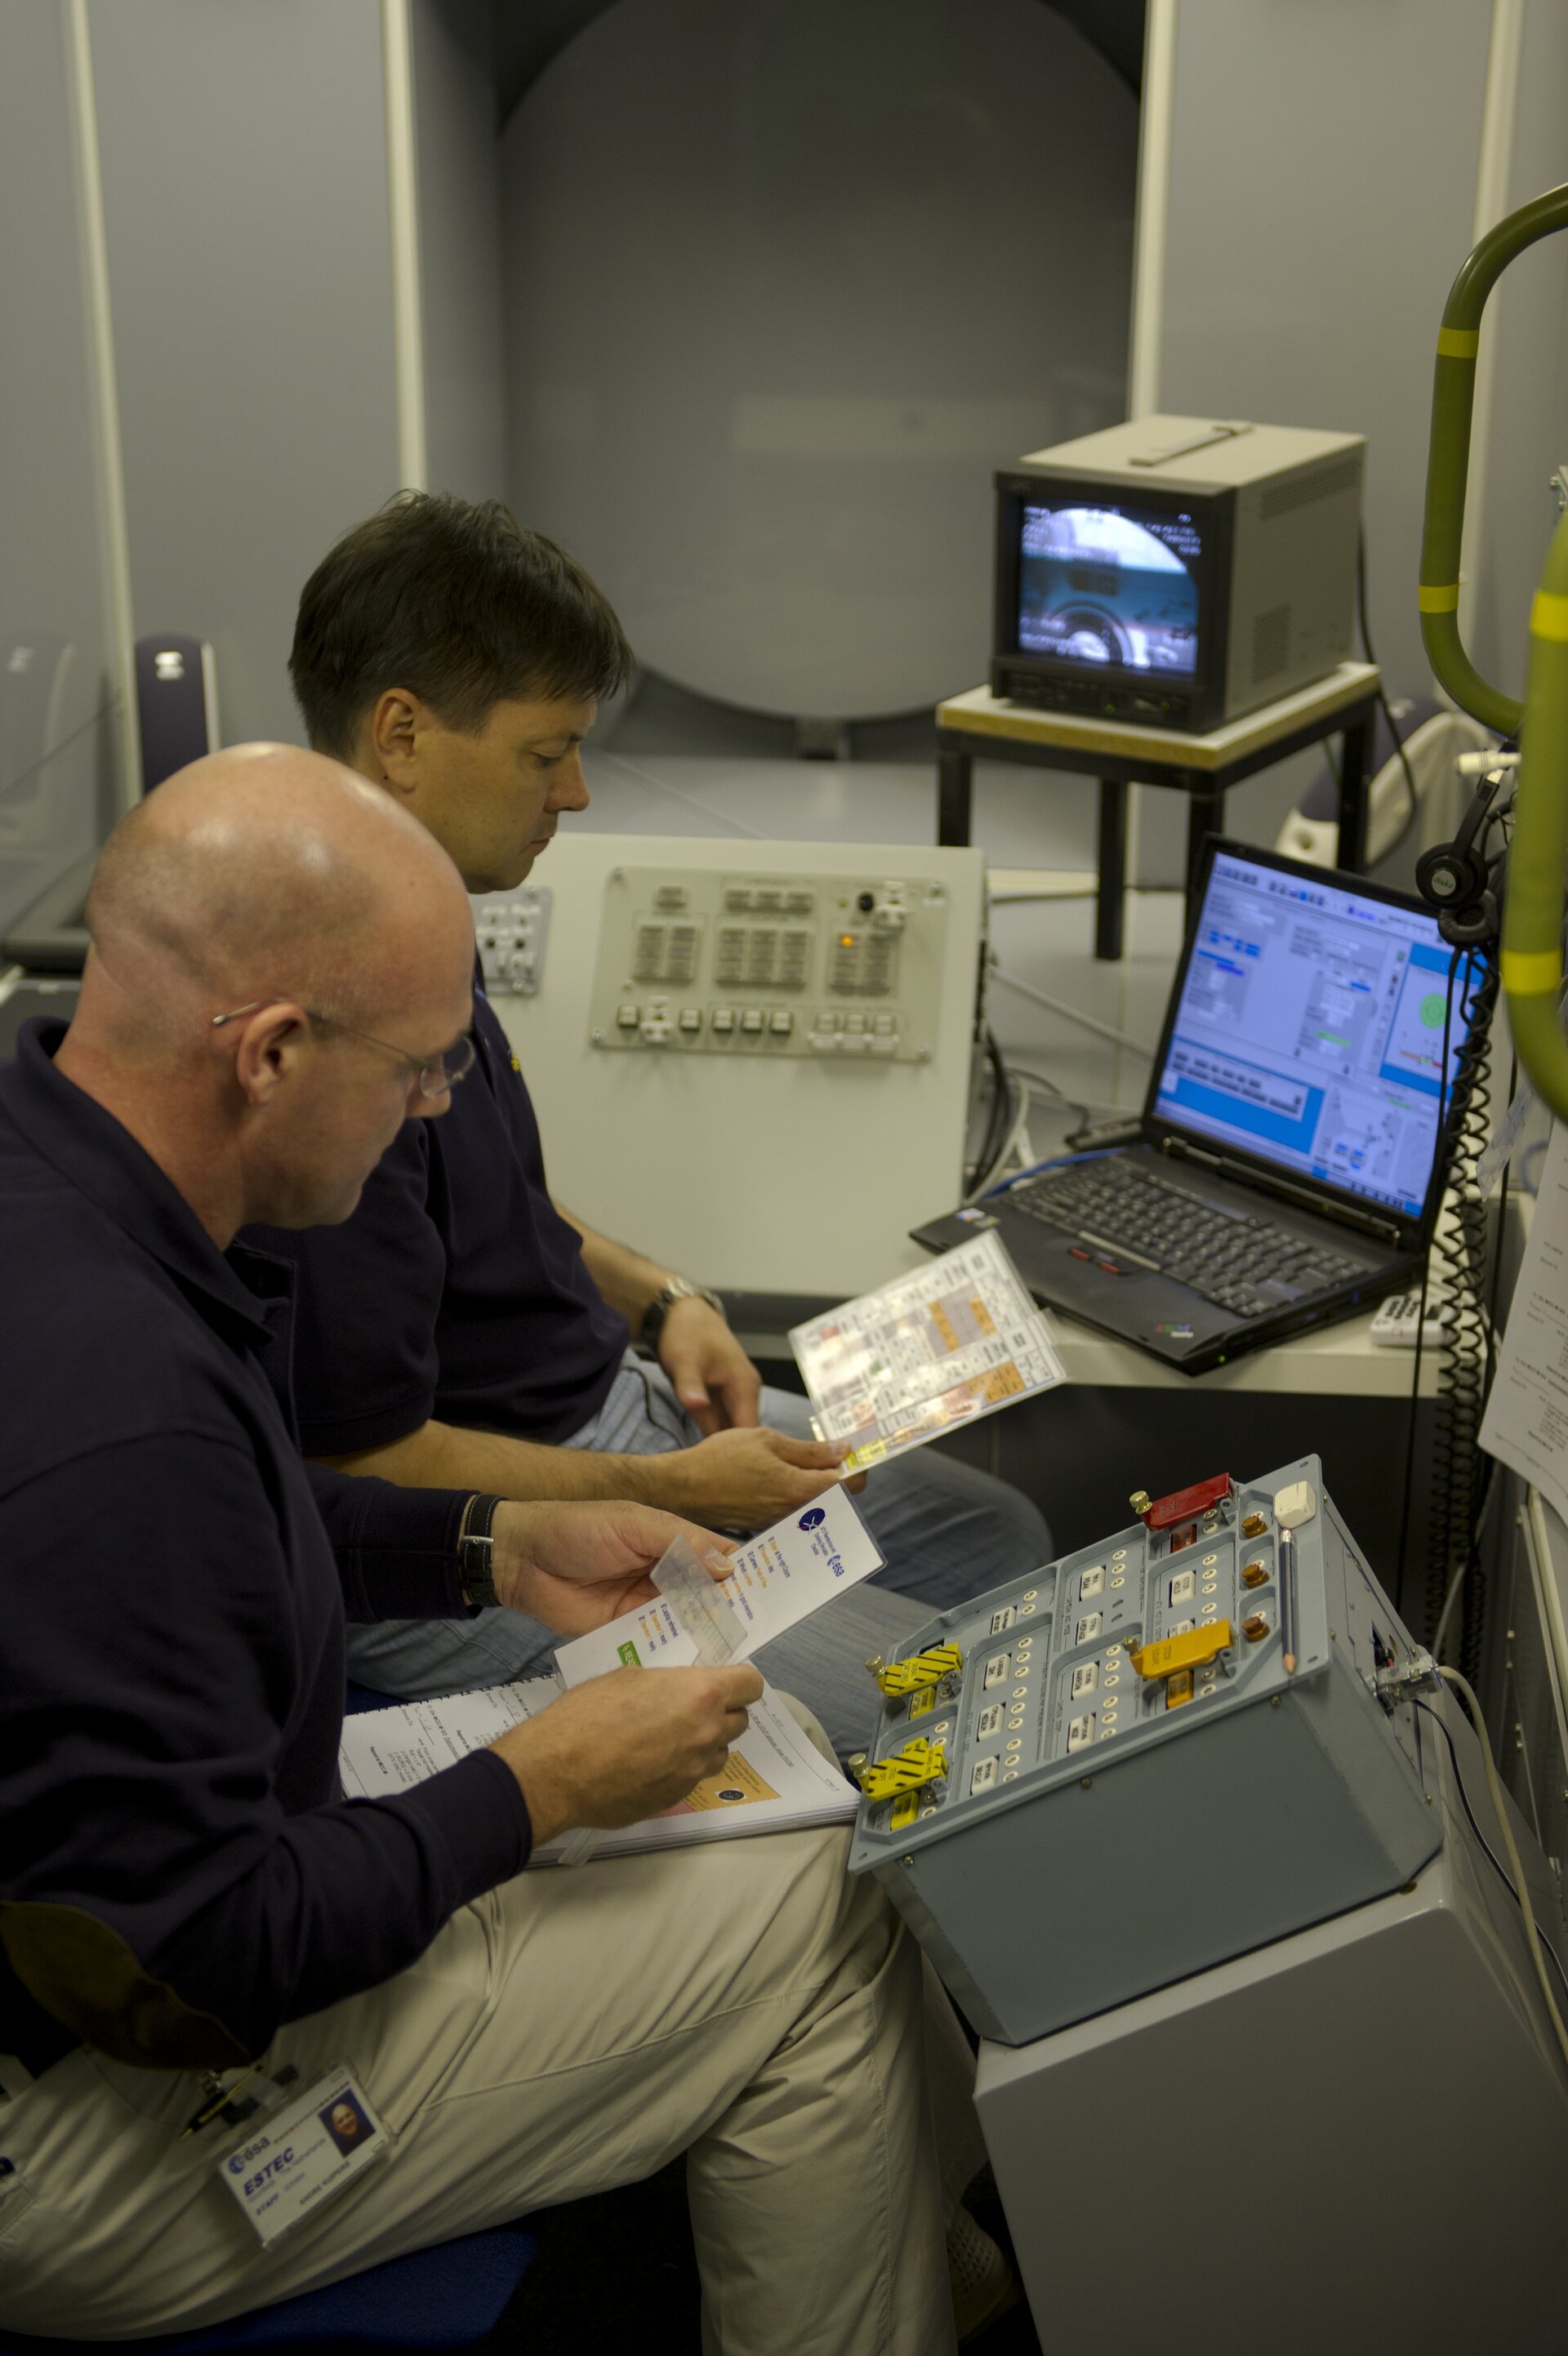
x=1340, y=1361
x=978, y=712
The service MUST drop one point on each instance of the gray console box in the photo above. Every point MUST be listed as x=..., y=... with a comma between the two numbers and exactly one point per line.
x=1108, y=1852
x=1369, y=2118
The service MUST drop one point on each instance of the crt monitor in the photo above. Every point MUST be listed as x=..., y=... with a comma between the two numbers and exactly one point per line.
x=1174, y=574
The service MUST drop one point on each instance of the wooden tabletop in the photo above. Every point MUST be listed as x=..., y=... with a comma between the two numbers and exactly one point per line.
x=980, y=713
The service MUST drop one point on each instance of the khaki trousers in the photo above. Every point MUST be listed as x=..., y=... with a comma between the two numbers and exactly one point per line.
x=745, y=2003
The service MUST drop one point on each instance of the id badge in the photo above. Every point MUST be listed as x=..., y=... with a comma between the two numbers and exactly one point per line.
x=293, y=2159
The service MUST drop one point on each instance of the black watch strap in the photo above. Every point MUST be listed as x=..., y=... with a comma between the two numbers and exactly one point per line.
x=476, y=1549
x=664, y=1300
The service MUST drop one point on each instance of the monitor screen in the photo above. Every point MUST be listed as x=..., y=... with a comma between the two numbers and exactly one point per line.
x=1309, y=1031
x=1109, y=588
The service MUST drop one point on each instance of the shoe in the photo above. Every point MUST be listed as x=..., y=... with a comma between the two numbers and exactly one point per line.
x=985, y=2287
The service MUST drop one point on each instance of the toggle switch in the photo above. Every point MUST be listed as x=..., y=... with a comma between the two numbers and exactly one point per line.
x=918, y=1764
x=927, y=1669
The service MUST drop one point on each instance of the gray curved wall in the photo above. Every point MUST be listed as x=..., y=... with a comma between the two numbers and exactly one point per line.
x=784, y=286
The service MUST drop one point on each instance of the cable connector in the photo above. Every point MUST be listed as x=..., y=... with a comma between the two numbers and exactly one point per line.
x=1418, y=1668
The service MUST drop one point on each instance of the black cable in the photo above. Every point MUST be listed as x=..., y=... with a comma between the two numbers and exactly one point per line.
x=1498, y=1250
x=1454, y=1546
x=1437, y=1719
x=998, y=1120
x=1041, y=1080
x=1415, y=802
x=1421, y=1307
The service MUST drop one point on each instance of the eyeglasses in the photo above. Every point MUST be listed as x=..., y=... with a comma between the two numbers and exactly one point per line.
x=438, y=1072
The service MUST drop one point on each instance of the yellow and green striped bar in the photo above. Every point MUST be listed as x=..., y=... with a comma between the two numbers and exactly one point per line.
x=1448, y=456
x=1533, y=914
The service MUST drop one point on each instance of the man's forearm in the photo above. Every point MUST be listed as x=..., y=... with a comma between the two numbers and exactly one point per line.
x=443, y=1456
x=628, y=1282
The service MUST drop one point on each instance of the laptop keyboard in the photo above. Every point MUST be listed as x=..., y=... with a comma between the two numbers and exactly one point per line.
x=1121, y=1217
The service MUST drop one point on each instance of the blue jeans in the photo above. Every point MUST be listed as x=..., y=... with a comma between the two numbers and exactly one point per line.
x=948, y=1533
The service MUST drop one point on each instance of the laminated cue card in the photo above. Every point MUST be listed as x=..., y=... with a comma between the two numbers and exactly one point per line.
x=957, y=1339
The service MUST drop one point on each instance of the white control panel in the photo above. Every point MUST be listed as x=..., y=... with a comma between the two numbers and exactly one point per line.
x=510, y=928
x=847, y=966
x=747, y=1156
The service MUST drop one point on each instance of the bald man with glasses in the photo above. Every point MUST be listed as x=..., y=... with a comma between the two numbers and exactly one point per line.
x=187, y=1905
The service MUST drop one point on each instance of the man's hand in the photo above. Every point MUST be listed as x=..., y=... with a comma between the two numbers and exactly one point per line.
x=742, y=1480
x=623, y=1746
x=575, y=1567
x=715, y=1380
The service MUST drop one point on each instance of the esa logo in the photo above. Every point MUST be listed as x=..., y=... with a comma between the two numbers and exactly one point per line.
x=812, y=1518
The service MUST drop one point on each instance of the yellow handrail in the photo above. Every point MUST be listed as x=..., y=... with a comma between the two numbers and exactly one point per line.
x=1532, y=906
x=1448, y=455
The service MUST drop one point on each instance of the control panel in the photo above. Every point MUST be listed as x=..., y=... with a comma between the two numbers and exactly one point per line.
x=510, y=928
x=1154, y=1754
x=845, y=966
x=721, y=1144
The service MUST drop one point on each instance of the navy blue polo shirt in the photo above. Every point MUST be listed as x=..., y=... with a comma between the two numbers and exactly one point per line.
x=174, y=1581
x=457, y=1290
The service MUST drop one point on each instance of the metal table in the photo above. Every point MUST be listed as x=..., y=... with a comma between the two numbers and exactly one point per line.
x=1118, y=753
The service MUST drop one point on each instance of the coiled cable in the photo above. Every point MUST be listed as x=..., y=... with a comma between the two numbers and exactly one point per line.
x=1459, y=1249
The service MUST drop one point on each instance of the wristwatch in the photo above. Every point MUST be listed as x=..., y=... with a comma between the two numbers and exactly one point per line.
x=475, y=1550
x=664, y=1300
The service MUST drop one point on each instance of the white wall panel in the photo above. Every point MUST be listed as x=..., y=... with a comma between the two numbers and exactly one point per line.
x=245, y=184
x=1323, y=183
x=57, y=765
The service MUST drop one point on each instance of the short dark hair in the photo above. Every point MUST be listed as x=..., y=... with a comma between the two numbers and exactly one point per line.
x=457, y=601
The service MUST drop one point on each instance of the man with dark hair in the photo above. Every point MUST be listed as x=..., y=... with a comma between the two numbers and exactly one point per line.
x=462, y=1326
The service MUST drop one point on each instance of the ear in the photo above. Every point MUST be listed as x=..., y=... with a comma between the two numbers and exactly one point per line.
x=268, y=1051
x=397, y=720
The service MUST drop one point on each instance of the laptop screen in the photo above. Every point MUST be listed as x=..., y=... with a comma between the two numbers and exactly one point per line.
x=1307, y=1031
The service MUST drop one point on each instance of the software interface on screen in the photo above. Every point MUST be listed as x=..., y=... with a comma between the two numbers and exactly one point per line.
x=1310, y=1030
x=1109, y=586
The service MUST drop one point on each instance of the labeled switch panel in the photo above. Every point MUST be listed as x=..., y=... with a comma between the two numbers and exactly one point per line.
x=509, y=928
x=841, y=968
x=1116, y=1668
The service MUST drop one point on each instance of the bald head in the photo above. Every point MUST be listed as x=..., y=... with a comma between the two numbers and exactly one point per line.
x=262, y=871
x=329, y=930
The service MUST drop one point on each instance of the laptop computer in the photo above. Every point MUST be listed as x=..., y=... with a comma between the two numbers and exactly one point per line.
x=1294, y=1139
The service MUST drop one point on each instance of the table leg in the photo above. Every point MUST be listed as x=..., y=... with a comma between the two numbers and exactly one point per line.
x=955, y=796
x=1205, y=811
x=1354, y=761
x=1109, y=908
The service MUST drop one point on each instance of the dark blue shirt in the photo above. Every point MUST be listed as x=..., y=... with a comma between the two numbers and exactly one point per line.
x=171, y=1672
x=457, y=1290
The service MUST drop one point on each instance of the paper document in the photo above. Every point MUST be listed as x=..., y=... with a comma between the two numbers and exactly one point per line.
x=956, y=1339
x=773, y=1780
x=1526, y=1423
x=775, y=1580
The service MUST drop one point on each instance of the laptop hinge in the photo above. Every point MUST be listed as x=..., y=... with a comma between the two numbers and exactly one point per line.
x=1366, y=1223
